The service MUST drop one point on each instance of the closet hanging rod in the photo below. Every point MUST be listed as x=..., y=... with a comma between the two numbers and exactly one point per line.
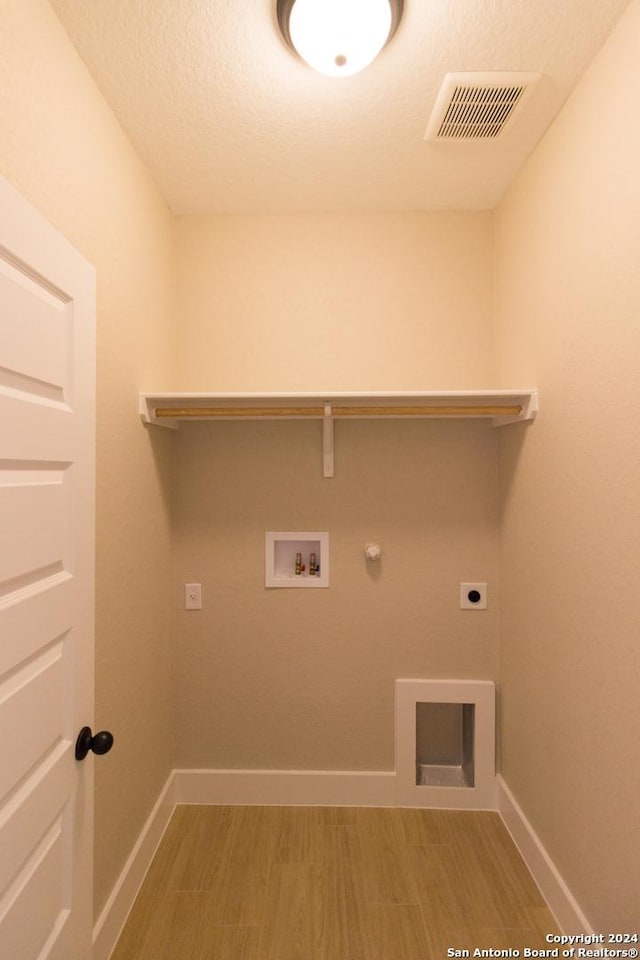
x=338, y=411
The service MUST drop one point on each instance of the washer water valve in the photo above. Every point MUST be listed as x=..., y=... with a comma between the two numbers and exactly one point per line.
x=372, y=551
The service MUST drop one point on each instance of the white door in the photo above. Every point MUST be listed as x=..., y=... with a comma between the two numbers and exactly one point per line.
x=47, y=375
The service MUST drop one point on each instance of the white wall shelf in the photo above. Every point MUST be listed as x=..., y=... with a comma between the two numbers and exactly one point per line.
x=500, y=406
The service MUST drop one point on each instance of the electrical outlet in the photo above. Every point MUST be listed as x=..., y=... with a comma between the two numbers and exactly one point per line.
x=473, y=596
x=192, y=596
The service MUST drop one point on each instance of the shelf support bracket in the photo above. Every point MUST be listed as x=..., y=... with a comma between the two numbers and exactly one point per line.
x=327, y=442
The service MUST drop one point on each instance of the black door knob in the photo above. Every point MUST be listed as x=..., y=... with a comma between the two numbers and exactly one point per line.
x=98, y=743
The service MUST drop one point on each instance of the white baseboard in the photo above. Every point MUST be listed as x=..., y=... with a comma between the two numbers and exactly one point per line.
x=116, y=910
x=286, y=787
x=559, y=898
x=324, y=788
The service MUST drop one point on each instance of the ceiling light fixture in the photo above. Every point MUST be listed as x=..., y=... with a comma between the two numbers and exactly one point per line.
x=338, y=37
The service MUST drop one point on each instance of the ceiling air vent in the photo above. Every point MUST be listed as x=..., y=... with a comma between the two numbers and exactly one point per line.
x=477, y=106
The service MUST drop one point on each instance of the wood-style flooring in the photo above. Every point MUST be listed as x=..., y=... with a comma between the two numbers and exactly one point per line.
x=329, y=883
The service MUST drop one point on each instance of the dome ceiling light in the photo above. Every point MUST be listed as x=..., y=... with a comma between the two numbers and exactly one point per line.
x=338, y=37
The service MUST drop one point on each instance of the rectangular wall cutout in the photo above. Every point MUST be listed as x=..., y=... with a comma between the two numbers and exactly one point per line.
x=296, y=559
x=444, y=744
x=445, y=740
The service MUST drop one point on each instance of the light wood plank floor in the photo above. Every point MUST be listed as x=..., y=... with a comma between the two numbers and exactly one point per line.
x=328, y=883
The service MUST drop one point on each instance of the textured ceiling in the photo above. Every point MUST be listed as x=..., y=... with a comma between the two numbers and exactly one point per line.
x=228, y=120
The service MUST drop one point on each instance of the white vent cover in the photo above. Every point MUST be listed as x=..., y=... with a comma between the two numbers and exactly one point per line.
x=477, y=106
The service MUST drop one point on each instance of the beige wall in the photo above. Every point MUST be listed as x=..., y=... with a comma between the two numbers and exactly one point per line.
x=352, y=302
x=61, y=147
x=303, y=679
x=568, y=305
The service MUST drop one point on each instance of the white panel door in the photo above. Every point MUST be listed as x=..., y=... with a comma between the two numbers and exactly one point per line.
x=47, y=376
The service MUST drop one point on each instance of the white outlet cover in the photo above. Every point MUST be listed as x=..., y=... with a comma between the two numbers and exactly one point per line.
x=192, y=596
x=470, y=588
